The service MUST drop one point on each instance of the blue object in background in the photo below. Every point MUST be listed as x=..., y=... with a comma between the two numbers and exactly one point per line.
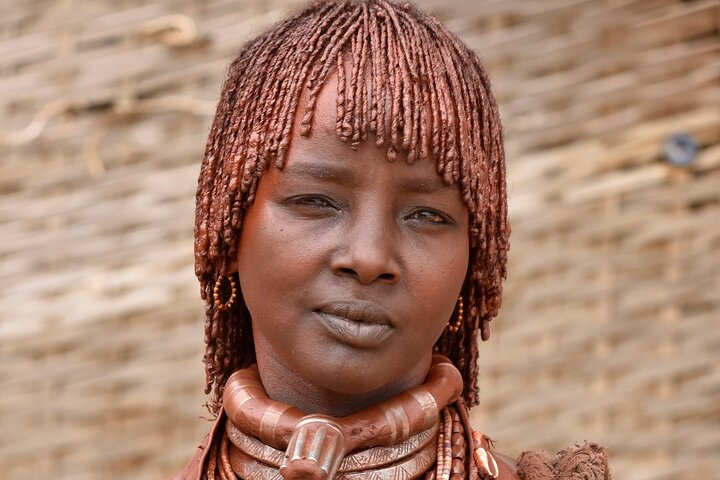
x=681, y=149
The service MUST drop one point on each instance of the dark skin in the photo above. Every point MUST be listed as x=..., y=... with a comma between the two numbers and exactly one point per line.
x=350, y=266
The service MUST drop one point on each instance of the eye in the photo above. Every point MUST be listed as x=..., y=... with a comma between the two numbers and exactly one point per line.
x=315, y=202
x=427, y=215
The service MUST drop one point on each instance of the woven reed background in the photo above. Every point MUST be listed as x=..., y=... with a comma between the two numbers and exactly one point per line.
x=609, y=329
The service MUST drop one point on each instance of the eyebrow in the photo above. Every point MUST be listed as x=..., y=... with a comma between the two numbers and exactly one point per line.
x=344, y=176
x=322, y=171
x=419, y=185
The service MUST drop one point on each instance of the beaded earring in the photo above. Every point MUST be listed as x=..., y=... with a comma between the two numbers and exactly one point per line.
x=455, y=326
x=233, y=293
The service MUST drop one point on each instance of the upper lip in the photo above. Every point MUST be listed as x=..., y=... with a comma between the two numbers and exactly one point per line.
x=358, y=311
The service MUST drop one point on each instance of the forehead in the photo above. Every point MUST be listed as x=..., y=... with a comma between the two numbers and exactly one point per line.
x=324, y=121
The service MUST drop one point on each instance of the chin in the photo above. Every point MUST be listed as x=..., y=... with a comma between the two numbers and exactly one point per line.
x=358, y=377
x=357, y=386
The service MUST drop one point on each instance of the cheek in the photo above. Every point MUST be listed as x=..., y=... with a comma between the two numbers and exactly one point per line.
x=259, y=258
x=266, y=243
x=437, y=279
x=276, y=261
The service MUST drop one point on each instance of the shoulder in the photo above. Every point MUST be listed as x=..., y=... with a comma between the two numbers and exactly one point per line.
x=193, y=469
x=507, y=466
x=491, y=463
x=587, y=461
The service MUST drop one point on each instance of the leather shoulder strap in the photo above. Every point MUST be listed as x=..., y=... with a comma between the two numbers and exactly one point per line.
x=194, y=469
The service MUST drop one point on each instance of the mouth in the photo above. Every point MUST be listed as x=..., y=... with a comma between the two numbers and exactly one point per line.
x=358, y=324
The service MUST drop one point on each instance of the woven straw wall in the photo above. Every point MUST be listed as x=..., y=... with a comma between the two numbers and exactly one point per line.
x=609, y=330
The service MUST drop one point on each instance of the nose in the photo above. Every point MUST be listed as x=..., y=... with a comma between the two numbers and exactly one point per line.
x=368, y=252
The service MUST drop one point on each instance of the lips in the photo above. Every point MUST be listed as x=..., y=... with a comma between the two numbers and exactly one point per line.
x=358, y=324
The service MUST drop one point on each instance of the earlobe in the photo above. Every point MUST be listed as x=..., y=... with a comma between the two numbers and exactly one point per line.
x=231, y=267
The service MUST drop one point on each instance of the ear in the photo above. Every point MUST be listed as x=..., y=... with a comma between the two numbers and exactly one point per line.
x=231, y=267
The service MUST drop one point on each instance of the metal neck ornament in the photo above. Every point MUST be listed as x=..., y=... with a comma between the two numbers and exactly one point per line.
x=316, y=445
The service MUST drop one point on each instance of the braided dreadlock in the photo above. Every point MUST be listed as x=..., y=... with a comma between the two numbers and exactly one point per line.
x=403, y=77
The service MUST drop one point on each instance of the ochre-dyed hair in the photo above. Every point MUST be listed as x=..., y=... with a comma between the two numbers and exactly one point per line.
x=403, y=77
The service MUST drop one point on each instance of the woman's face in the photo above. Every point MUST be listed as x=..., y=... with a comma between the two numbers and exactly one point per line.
x=349, y=264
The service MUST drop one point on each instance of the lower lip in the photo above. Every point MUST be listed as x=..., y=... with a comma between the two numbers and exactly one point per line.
x=353, y=333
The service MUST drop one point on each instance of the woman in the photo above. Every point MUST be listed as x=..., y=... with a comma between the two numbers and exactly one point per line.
x=351, y=242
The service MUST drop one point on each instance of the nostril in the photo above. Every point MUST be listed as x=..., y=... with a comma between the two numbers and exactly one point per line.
x=349, y=271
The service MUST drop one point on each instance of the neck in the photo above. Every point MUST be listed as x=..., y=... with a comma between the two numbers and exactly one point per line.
x=284, y=384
